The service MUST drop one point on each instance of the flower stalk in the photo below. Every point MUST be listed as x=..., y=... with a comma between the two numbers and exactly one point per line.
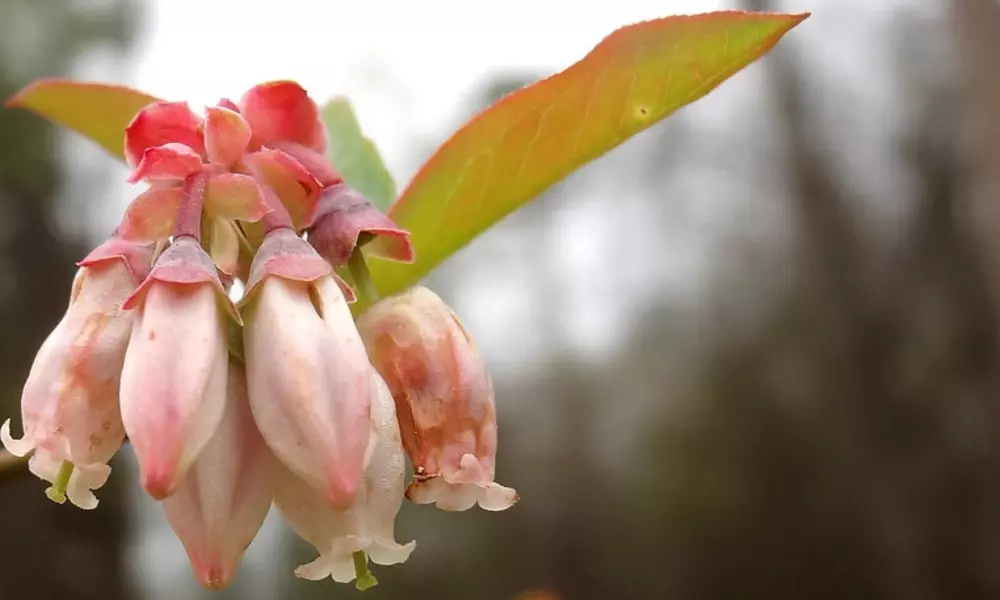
x=366, y=291
x=366, y=580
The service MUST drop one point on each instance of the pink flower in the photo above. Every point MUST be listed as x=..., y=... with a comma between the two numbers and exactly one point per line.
x=368, y=525
x=307, y=372
x=173, y=385
x=444, y=399
x=69, y=406
x=220, y=505
x=272, y=142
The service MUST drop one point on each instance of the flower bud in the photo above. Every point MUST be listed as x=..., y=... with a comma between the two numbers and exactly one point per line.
x=173, y=386
x=221, y=503
x=367, y=526
x=444, y=399
x=69, y=405
x=308, y=376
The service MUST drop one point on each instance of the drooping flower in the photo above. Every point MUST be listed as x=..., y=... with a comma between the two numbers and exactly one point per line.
x=308, y=376
x=444, y=399
x=173, y=385
x=368, y=525
x=69, y=405
x=221, y=503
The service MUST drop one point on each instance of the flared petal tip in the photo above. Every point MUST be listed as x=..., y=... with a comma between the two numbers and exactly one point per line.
x=389, y=552
x=458, y=497
x=18, y=448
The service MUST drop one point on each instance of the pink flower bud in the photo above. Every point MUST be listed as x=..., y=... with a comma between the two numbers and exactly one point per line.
x=367, y=526
x=173, y=386
x=69, y=405
x=307, y=372
x=221, y=503
x=444, y=399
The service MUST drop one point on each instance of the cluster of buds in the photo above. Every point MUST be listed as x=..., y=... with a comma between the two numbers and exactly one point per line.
x=278, y=396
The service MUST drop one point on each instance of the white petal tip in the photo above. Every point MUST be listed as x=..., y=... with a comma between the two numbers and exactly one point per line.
x=458, y=497
x=18, y=448
x=388, y=552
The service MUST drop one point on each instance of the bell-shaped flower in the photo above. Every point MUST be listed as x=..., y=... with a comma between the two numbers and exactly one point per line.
x=221, y=503
x=366, y=529
x=173, y=385
x=444, y=399
x=69, y=405
x=307, y=372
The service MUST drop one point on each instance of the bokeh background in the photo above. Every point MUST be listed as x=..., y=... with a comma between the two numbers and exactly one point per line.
x=751, y=354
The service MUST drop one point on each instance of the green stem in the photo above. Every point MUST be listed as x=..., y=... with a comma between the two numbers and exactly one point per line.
x=57, y=491
x=363, y=284
x=365, y=578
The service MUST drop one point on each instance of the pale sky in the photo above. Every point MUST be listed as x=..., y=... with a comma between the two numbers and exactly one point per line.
x=407, y=66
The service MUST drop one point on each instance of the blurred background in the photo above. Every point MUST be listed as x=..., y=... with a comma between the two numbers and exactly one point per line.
x=752, y=353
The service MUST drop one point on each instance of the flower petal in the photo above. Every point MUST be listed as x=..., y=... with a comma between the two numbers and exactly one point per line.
x=284, y=254
x=222, y=502
x=444, y=399
x=295, y=187
x=342, y=215
x=161, y=123
x=310, y=383
x=283, y=111
x=150, y=217
x=184, y=263
x=227, y=135
x=235, y=196
x=173, y=383
x=313, y=161
x=223, y=243
x=169, y=162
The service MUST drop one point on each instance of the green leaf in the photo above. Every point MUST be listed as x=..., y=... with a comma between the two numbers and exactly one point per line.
x=98, y=111
x=356, y=156
x=526, y=142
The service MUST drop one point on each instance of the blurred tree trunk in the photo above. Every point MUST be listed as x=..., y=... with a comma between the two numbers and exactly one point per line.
x=49, y=552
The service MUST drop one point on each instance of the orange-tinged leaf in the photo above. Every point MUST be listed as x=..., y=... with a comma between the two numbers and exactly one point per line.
x=520, y=146
x=98, y=111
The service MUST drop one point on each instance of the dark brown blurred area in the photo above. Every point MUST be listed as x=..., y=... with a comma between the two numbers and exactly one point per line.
x=47, y=551
x=821, y=422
